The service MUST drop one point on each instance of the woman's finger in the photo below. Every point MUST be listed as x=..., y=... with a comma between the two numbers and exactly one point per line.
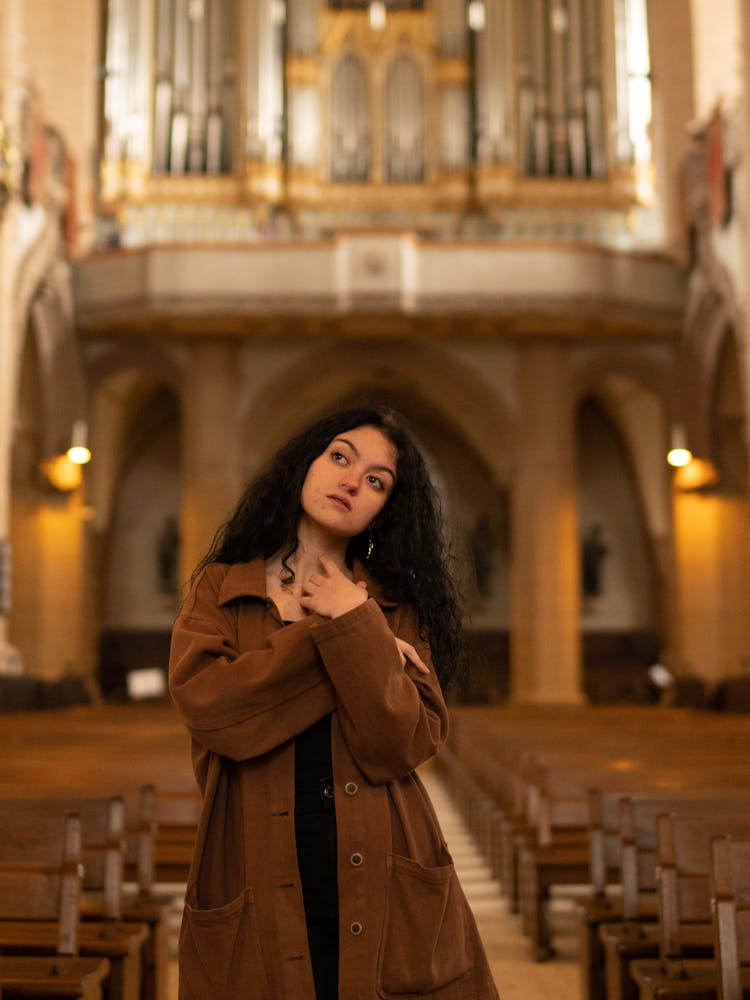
x=408, y=652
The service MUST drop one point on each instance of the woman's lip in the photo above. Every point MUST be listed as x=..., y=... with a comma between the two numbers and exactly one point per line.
x=340, y=501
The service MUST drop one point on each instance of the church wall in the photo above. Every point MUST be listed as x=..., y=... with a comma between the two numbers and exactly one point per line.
x=669, y=27
x=45, y=624
x=713, y=560
x=717, y=54
x=473, y=399
x=60, y=55
x=138, y=597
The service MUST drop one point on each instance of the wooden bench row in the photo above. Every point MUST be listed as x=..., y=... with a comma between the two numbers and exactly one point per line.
x=84, y=770
x=544, y=791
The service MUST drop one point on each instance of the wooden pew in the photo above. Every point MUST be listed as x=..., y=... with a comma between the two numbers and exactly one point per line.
x=684, y=892
x=28, y=977
x=108, y=749
x=137, y=902
x=554, y=848
x=636, y=936
x=102, y=932
x=730, y=908
x=622, y=843
x=552, y=851
x=538, y=833
x=143, y=904
x=122, y=749
x=40, y=880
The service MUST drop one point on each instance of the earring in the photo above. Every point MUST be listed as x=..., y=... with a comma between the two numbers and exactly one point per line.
x=370, y=546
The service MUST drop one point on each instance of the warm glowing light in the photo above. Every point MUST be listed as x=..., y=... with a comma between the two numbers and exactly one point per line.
x=278, y=13
x=679, y=454
x=678, y=457
x=79, y=453
x=699, y=474
x=62, y=474
x=476, y=15
x=376, y=15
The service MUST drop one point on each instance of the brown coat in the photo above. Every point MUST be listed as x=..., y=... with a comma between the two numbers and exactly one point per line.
x=246, y=686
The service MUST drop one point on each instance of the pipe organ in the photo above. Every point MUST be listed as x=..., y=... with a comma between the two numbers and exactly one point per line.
x=314, y=108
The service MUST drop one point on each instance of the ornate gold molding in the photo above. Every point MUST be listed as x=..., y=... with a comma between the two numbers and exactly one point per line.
x=453, y=72
x=449, y=318
x=307, y=188
x=502, y=183
x=302, y=72
x=343, y=28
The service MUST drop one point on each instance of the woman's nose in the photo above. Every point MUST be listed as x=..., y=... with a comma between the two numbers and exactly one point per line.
x=349, y=484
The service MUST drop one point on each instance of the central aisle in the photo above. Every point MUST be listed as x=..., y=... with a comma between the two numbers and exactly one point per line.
x=516, y=976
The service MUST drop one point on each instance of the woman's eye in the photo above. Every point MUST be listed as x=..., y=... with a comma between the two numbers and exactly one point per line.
x=375, y=482
x=338, y=457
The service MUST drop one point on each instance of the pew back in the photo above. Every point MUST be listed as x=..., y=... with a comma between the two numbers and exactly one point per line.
x=41, y=868
x=730, y=890
x=685, y=867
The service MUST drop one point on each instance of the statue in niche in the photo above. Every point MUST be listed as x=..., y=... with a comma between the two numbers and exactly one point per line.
x=482, y=546
x=593, y=553
x=167, y=550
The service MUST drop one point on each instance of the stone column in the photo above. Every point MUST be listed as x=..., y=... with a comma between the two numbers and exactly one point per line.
x=10, y=32
x=745, y=195
x=669, y=29
x=545, y=570
x=209, y=447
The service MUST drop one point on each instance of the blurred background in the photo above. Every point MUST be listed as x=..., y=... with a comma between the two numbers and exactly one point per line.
x=522, y=223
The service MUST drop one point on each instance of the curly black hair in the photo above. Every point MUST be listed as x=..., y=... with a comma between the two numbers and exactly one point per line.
x=411, y=554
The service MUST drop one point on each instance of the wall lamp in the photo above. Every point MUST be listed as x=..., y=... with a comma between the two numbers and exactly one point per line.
x=63, y=472
x=476, y=15
x=79, y=452
x=376, y=15
x=679, y=454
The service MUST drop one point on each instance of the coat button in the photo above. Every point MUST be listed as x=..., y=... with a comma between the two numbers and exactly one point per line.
x=351, y=788
x=356, y=859
x=356, y=927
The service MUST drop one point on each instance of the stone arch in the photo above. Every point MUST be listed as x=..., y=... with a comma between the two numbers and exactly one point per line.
x=48, y=336
x=133, y=493
x=634, y=392
x=711, y=315
x=462, y=425
x=418, y=379
x=153, y=359
x=727, y=416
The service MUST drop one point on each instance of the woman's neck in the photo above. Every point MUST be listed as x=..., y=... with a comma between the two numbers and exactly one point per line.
x=314, y=543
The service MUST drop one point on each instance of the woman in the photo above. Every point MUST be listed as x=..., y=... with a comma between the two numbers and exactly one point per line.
x=301, y=667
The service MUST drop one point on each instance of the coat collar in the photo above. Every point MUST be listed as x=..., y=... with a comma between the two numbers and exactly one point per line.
x=248, y=579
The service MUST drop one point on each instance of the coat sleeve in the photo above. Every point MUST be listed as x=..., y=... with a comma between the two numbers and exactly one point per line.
x=393, y=717
x=243, y=703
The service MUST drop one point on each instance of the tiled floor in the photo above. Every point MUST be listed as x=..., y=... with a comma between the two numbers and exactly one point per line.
x=516, y=976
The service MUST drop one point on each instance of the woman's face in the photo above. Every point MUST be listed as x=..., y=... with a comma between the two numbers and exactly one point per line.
x=349, y=484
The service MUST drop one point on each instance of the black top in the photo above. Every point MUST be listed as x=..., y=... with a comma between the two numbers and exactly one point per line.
x=315, y=832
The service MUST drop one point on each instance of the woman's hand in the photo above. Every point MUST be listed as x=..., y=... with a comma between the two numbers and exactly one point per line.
x=408, y=652
x=331, y=593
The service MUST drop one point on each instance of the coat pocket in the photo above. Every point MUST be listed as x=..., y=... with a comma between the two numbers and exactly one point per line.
x=426, y=944
x=220, y=951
